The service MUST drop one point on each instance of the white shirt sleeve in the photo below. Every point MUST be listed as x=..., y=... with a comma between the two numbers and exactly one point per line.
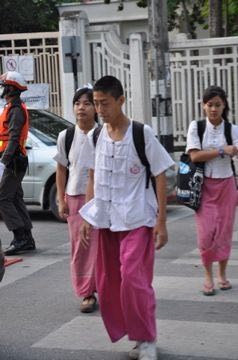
x=193, y=141
x=156, y=154
x=60, y=156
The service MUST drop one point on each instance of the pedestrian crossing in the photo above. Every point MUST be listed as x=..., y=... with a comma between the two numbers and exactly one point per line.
x=190, y=325
x=210, y=338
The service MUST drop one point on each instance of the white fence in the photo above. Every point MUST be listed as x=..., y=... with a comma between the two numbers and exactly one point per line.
x=195, y=65
x=45, y=49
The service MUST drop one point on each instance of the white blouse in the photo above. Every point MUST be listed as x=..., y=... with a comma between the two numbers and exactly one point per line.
x=121, y=201
x=78, y=173
x=213, y=138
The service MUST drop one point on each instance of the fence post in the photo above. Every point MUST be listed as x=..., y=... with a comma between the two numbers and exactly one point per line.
x=74, y=55
x=138, y=80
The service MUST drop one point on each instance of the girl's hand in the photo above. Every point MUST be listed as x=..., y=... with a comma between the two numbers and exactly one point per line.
x=63, y=210
x=230, y=150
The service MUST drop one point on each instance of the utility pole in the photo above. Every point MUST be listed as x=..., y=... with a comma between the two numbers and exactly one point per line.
x=160, y=71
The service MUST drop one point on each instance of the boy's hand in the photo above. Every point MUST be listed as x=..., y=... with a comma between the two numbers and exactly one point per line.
x=160, y=235
x=85, y=231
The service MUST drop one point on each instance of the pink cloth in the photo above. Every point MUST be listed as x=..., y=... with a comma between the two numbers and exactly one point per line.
x=83, y=261
x=215, y=219
x=124, y=283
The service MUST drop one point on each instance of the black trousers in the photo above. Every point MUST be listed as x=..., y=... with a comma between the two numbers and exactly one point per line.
x=12, y=207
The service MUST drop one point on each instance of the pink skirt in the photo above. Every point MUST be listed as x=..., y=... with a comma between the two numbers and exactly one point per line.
x=83, y=261
x=215, y=219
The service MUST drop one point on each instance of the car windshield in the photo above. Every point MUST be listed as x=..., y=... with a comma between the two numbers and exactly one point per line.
x=46, y=126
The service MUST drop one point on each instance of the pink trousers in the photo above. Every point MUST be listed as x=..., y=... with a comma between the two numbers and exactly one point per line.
x=83, y=261
x=215, y=219
x=124, y=283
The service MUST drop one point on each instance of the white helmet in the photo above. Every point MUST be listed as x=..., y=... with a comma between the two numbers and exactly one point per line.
x=13, y=78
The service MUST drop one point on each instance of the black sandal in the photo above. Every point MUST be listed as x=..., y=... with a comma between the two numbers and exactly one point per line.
x=90, y=306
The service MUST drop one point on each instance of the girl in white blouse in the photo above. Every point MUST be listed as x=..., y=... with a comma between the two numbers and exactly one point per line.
x=215, y=217
x=71, y=195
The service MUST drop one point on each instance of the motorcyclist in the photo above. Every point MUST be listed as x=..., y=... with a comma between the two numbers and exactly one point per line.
x=14, y=125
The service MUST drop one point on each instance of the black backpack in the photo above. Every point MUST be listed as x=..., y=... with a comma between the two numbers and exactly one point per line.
x=190, y=175
x=68, y=140
x=139, y=142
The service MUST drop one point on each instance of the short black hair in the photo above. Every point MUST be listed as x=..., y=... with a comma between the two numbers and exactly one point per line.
x=213, y=91
x=81, y=92
x=89, y=92
x=109, y=85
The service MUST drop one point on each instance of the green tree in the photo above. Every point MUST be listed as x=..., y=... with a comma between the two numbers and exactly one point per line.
x=182, y=15
x=229, y=22
x=186, y=15
x=29, y=15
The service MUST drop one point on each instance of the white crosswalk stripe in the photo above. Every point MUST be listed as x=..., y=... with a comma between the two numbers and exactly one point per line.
x=32, y=264
x=176, y=337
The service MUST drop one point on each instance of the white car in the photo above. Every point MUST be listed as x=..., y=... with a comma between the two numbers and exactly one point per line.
x=39, y=182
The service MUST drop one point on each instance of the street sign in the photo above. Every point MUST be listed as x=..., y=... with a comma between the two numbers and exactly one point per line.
x=24, y=64
x=11, y=63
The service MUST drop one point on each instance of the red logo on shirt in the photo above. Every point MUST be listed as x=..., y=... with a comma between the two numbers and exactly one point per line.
x=135, y=169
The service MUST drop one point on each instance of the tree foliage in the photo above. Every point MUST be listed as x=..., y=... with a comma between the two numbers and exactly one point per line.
x=229, y=16
x=29, y=15
x=184, y=15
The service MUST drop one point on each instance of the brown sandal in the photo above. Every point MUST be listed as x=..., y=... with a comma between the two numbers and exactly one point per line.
x=88, y=304
x=224, y=285
x=208, y=289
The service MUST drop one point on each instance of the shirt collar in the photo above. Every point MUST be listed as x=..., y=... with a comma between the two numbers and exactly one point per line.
x=211, y=126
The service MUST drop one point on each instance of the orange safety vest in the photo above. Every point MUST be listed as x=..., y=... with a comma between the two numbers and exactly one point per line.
x=4, y=129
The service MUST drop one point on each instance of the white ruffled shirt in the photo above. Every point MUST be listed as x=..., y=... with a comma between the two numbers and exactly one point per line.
x=213, y=138
x=78, y=173
x=121, y=202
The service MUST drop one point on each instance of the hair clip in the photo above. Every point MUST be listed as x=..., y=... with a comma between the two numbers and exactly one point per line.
x=88, y=86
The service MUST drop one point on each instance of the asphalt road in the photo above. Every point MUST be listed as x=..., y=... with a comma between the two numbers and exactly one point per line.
x=40, y=318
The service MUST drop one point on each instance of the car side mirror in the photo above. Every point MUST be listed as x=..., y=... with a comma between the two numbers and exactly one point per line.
x=28, y=144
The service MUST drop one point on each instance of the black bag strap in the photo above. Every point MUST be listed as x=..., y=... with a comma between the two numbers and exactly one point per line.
x=96, y=133
x=201, y=129
x=228, y=137
x=68, y=140
x=229, y=141
x=139, y=142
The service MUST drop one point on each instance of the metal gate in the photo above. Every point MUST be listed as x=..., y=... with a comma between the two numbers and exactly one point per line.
x=45, y=49
x=110, y=57
x=195, y=65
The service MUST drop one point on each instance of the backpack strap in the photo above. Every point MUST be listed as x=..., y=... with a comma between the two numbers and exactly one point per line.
x=228, y=137
x=227, y=132
x=201, y=129
x=96, y=133
x=139, y=142
x=227, y=126
x=68, y=140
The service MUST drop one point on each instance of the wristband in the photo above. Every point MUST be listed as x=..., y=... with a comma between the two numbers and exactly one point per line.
x=221, y=153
